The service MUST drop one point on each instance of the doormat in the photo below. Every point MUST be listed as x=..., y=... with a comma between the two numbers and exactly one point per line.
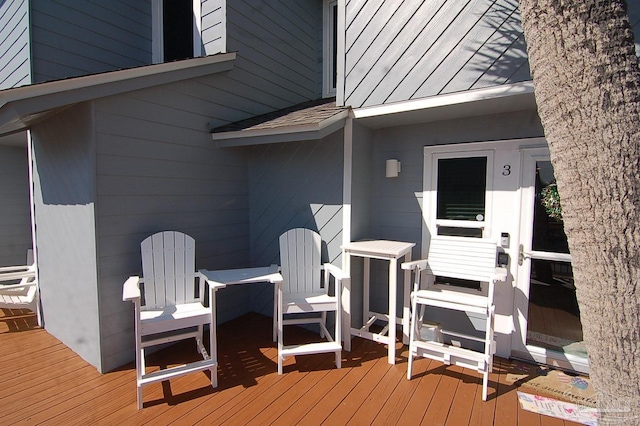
x=557, y=384
x=558, y=409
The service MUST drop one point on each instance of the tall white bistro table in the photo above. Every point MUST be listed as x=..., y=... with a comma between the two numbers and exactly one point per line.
x=225, y=277
x=385, y=250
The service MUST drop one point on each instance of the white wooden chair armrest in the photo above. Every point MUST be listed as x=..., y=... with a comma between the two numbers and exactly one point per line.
x=337, y=273
x=14, y=286
x=410, y=266
x=20, y=268
x=131, y=289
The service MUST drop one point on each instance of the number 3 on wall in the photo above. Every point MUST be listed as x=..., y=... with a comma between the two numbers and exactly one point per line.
x=506, y=170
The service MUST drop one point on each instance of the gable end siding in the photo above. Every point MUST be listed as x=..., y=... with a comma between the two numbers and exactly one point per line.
x=72, y=38
x=428, y=48
x=15, y=67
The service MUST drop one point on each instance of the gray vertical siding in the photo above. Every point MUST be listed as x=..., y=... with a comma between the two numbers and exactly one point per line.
x=277, y=49
x=214, y=26
x=15, y=214
x=397, y=52
x=71, y=38
x=295, y=184
x=64, y=177
x=15, y=66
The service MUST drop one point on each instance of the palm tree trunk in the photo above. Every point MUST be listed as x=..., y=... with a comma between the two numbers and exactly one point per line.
x=587, y=87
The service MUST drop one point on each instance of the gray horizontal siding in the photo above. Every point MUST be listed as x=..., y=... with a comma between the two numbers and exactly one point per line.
x=15, y=67
x=277, y=48
x=214, y=26
x=418, y=49
x=15, y=215
x=296, y=184
x=72, y=38
x=158, y=169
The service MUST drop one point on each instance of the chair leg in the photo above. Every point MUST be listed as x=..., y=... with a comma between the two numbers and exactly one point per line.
x=412, y=336
x=280, y=331
x=485, y=384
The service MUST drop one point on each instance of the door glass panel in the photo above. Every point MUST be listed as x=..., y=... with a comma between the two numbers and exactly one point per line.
x=462, y=187
x=554, y=318
x=548, y=232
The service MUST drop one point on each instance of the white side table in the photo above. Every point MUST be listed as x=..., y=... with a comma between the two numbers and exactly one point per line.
x=385, y=250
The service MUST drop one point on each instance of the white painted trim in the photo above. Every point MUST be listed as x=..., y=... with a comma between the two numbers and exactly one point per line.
x=341, y=55
x=157, y=40
x=21, y=105
x=197, y=28
x=57, y=86
x=327, y=47
x=445, y=100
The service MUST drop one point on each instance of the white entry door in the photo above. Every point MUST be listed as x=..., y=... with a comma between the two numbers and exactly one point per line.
x=546, y=315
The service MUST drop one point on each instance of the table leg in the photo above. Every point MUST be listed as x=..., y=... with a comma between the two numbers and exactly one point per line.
x=393, y=290
x=346, y=306
x=406, y=306
x=366, y=281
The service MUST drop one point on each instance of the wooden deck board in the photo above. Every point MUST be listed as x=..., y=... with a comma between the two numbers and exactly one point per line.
x=64, y=389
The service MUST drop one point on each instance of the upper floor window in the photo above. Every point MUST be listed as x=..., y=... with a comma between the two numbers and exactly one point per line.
x=330, y=50
x=176, y=30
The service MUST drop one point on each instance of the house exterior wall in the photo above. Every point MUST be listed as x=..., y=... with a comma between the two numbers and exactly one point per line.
x=66, y=250
x=397, y=203
x=294, y=185
x=214, y=26
x=15, y=216
x=15, y=65
x=72, y=38
x=398, y=52
x=278, y=49
x=158, y=169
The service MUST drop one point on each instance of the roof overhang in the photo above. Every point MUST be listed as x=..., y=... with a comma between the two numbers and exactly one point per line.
x=286, y=134
x=22, y=106
x=492, y=100
x=310, y=120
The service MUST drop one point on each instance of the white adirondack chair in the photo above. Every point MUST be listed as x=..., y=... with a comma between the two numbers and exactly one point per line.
x=170, y=310
x=462, y=258
x=21, y=292
x=304, y=290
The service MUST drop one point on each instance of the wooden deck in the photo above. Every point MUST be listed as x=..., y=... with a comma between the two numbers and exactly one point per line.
x=43, y=382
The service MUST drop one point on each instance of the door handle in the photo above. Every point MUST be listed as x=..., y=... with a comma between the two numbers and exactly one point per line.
x=522, y=255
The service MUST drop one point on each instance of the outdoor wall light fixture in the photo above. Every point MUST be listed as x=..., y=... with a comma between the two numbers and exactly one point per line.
x=393, y=168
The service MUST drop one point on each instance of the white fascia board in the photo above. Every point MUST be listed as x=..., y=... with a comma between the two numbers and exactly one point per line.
x=461, y=98
x=281, y=134
x=19, y=105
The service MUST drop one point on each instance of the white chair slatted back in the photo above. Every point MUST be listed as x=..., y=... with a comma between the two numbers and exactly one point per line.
x=463, y=258
x=168, y=268
x=300, y=260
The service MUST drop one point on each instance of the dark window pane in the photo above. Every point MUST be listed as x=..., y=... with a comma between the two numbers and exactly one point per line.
x=452, y=231
x=334, y=17
x=462, y=186
x=177, y=24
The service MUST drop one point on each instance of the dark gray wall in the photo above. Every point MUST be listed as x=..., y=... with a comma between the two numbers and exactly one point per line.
x=295, y=184
x=400, y=51
x=71, y=38
x=15, y=67
x=65, y=203
x=15, y=215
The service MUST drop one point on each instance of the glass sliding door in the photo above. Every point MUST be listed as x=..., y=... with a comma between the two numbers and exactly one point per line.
x=549, y=325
